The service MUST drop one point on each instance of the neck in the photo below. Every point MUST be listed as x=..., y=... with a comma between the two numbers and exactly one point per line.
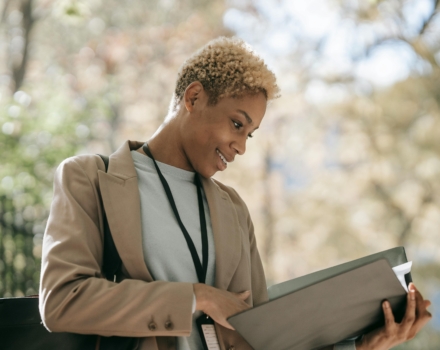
x=166, y=146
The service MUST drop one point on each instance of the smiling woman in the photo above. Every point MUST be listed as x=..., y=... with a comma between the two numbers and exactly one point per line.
x=186, y=241
x=219, y=101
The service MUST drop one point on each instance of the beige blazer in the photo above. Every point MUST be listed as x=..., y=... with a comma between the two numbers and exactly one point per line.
x=74, y=296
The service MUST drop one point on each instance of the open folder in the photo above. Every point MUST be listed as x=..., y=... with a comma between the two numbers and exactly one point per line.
x=327, y=306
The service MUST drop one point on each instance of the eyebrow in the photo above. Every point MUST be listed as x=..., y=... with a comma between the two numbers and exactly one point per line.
x=249, y=120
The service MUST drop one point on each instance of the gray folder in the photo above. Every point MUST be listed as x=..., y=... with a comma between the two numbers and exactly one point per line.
x=327, y=306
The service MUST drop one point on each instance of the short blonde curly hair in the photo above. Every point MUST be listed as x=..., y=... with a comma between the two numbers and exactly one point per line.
x=226, y=67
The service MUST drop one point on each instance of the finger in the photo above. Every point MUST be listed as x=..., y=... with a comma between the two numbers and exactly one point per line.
x=421, y=306
x=419, y=295
x=389, y=317
x=410, y=313
x=228, y=325
x=225, y=324
x=420, y=322
x=423, y=315
x=243, y=295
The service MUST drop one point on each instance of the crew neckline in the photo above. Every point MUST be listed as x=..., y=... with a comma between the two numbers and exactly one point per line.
x=143, y=162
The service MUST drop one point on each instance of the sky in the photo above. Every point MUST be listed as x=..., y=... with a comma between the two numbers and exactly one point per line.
x=294, y=22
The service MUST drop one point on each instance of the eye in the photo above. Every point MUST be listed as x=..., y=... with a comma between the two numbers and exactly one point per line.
x=237, y=125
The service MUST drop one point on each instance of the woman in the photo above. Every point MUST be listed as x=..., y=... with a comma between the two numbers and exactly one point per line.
x=219, y=101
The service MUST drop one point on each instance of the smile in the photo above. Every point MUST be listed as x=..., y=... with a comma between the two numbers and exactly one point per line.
x=222, y=157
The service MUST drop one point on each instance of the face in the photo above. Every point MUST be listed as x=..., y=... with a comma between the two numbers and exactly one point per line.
x=215, y=134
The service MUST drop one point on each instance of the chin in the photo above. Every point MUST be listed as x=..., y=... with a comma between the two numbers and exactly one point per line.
x=207, y=173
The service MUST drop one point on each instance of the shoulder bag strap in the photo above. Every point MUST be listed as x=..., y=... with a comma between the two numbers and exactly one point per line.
x=112, y=261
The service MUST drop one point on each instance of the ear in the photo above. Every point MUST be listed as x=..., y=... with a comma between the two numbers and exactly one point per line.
x=194, y=93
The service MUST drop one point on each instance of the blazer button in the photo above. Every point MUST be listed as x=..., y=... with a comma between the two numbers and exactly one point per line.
x=169, y=325
x=152, y=326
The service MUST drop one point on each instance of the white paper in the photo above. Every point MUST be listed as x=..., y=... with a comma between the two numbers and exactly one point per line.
x=401, y=271
x=210, y=336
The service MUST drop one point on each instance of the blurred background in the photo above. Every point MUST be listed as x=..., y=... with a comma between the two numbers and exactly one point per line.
x=345, y=164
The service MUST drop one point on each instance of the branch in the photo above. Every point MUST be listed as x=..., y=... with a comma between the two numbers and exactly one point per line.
x=416, y=44
x=385, y=40
x=431, y=16
x=19, y=71
x=5, y=10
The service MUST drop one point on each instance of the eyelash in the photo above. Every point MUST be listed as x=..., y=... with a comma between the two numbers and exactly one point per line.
x=238, y=125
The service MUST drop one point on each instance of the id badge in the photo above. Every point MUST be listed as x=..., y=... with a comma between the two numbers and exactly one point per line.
x=205, y=325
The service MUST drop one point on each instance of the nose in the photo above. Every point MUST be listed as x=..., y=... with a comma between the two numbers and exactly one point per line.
x=239, y=146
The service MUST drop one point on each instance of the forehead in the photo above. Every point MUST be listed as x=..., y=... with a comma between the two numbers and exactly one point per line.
x=251, y=107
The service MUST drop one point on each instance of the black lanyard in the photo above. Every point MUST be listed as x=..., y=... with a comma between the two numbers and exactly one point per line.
x=201, y=271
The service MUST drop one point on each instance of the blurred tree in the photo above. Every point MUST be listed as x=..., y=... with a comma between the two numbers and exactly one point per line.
x=340, y=168
x=35, y=137
x=79, y=77
x=18, y=19
x=330, y=120
x=351, y=157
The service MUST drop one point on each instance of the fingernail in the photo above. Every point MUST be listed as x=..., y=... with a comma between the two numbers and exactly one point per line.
x=412, y=292
x=386, y=304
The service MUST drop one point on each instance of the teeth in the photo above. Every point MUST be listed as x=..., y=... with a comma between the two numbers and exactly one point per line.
x=222, y=157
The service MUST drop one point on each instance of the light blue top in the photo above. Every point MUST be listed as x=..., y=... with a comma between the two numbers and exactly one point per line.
x=166, y=252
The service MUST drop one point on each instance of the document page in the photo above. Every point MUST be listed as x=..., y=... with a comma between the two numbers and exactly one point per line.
x=396, y=258
x=401, y=271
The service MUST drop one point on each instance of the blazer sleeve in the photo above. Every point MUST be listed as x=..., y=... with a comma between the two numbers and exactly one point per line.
x=73, y=295
x=258, y=279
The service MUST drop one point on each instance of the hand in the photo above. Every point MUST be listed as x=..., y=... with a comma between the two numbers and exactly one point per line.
x=392, y=333
x=219, y=304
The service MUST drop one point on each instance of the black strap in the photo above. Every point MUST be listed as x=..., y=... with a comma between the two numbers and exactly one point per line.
x=201, y=271
x=203, y=226
x=111, y=261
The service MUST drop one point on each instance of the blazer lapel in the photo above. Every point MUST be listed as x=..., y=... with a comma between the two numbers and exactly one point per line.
x=227, y=233
x=120, y=195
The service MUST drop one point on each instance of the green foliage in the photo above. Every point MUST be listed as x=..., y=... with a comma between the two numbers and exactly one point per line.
x=36, y=137
x=89, y=62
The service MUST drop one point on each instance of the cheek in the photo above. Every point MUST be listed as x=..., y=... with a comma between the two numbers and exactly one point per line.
x=208, y=139
x=201, y=145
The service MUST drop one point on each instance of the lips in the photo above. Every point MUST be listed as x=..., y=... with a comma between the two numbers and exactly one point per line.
x=222, y=157
x=222, y=162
